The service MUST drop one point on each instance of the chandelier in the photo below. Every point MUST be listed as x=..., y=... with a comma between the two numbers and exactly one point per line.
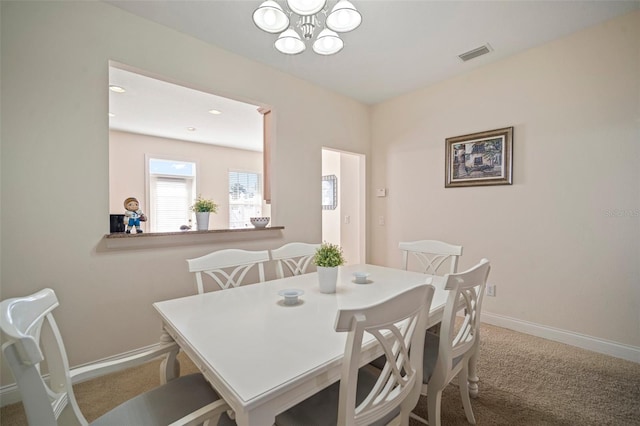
x=308, y=16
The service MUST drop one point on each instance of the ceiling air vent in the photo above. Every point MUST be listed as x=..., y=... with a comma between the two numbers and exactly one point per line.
x=478, y=51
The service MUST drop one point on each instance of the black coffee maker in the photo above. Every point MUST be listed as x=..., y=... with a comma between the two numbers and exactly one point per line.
x=116, y=223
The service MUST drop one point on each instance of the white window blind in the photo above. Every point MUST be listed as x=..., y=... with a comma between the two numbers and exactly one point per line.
x=245, y=198
x=172, y=200
x=171, y=194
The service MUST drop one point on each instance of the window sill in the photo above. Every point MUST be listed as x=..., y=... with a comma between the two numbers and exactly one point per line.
x=167, y=239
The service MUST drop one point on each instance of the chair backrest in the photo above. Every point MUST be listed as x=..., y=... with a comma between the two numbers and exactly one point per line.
x=227, y=268
x=31, y=337
x=432, y=255
x=399, y=325
x=466, y=290
x=295, y=256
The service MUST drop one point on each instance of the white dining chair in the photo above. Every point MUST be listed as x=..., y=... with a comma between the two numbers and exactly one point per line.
x=32, y=339
x=433, y=256
x=227, y=268
x=366, y=396
x=296, y=257
x=447, y=355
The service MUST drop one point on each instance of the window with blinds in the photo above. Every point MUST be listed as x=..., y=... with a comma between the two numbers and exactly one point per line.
x=245, y=198
x=171, y=194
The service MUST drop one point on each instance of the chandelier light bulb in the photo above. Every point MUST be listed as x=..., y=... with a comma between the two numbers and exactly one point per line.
x=344, y=17
x=290, y=43
x=270, y=17
x=306, y=7
x=327, y=43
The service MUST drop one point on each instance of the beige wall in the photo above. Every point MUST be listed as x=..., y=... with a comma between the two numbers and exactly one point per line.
x=564, y=238
x=55, y=170
x=127, y=170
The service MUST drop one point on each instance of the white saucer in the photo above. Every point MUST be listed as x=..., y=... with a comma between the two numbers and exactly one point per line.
x=361, y=277
x=291, y=295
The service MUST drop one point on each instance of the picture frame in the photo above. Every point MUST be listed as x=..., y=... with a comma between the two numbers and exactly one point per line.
x=479, y=159
x=329, y=192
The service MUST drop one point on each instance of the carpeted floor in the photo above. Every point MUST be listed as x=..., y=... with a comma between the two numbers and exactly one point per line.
x=524, y=380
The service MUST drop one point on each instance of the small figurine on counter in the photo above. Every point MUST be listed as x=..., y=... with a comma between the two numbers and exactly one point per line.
x=133, y=216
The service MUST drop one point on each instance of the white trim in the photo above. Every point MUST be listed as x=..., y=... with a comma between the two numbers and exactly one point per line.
x=10, y=394
x=607, y=347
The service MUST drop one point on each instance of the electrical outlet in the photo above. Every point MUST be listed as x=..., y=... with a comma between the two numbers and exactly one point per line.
x=491, y=290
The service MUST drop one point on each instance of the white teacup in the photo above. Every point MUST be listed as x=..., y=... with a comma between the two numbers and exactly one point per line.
x=291, y=296
x=360, y=277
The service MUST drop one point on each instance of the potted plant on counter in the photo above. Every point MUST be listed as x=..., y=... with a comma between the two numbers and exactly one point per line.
x=203, y=208
x=327, y=258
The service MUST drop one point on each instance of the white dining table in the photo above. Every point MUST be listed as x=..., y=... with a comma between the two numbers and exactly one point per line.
x=263, y=356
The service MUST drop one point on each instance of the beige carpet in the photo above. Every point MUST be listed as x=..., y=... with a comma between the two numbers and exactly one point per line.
x=524, y=380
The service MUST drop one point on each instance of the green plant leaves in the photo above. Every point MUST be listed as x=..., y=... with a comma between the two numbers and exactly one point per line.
x=204, y=205
x=329, y=255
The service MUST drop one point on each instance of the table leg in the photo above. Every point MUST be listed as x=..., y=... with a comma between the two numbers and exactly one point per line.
x=255, y=418
x=169, y=367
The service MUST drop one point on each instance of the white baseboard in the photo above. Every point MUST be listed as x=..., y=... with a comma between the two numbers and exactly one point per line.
x=607, y=347
x=9, y=394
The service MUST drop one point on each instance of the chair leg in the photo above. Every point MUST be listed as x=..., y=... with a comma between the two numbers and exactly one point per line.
x=401, y=419
x=418, y=418
x=473, y=373
x=412, y=415
x=396, y=421
x=463, y=384
x=434, y=398
x=405, y=412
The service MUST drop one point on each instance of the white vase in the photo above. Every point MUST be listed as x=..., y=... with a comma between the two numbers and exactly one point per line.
x=202, y=221
x=327, y=278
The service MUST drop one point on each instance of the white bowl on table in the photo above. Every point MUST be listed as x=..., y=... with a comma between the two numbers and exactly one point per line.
x=259, y=222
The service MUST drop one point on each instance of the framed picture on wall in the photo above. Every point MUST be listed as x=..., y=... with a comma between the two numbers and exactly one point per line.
x=329, y=192
x=478, y=159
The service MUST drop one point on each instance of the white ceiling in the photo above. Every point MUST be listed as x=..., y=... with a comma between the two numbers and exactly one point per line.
x=159, y=108
x=401, y=45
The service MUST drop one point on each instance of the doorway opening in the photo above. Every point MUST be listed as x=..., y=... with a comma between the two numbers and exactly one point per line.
x=344, y=201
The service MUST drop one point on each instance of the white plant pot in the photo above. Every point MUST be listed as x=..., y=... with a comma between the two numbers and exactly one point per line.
x=327, y=278
x=202, y=221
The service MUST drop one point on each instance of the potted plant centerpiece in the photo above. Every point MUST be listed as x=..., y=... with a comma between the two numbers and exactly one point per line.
x=203, y=208
x=327, y=258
